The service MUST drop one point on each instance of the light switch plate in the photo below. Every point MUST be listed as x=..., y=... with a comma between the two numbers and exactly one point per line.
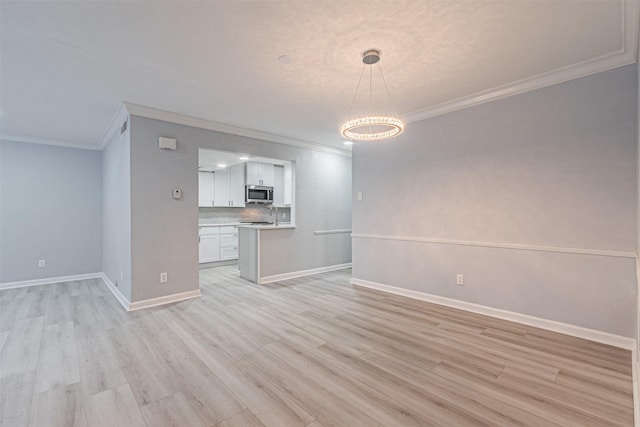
x=167, y=143
x=359, y=195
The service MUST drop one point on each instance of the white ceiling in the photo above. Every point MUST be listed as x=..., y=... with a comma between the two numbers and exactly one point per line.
x=66, y=66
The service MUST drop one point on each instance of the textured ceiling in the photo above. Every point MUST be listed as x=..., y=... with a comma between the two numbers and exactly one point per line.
x=67, y=66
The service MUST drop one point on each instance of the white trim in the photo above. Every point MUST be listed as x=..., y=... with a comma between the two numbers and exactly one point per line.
x=258, y=252
x=302, y=273
x=636, y=388
x=550, y=325
x=114, y=124
x=638, y=306
x=342, y=231
x=49, y=280
x=124, y=301
x=624, y=56
x=167, y=116
x=517, y=246
x=47, y=141
x=152, y=302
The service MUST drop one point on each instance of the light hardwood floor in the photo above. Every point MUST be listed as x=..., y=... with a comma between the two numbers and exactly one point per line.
x=310, y=352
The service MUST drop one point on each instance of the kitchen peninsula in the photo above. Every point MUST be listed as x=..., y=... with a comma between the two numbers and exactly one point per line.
x=249, y=255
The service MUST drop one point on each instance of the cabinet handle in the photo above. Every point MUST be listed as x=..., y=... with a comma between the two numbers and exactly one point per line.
x=198, y=239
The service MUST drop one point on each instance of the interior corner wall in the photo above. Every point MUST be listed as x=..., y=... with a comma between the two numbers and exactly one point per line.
x=116, y=227
x=51, y=209
x=165, y=231
x=638, y=207
x=551, y=168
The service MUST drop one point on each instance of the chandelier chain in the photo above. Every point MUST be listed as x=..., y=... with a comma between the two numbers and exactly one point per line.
x=355, y=95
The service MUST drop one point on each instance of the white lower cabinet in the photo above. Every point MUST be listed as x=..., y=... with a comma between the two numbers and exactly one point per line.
x=209, y=247
x=228, y=242
x=218, y=243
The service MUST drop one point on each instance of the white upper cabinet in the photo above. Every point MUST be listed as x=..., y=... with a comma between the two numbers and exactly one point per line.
x=278, y=186
x=260, y=174
x=288, y=184
x=229, y=187
x=221, y=185
x=205, y=189
x=236, y=185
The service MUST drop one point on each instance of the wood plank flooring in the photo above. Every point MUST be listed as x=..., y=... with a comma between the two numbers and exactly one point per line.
x=313, y=352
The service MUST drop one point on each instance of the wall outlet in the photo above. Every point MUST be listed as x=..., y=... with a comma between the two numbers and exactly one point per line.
x=460, y=279
x=163, y=277
x=41, y=263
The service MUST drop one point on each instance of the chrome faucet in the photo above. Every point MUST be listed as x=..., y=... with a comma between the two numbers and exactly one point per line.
x=271, y=206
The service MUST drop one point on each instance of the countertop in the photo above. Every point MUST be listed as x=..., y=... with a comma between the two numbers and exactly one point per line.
x=253, y=226
x=268, y=226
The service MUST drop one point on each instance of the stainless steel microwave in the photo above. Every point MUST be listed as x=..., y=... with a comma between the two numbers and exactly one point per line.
x=258, y=194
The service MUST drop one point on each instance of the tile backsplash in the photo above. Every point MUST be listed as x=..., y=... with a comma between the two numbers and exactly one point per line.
x=253, y=212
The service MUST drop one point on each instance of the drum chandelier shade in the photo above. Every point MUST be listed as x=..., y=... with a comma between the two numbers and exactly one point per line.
x=373, y=127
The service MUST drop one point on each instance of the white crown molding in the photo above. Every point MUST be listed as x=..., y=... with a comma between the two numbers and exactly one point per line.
x=516, y=246
x=47, y=141
x=525, y=319
x=167, y=116
x=49, y=280
x=628, y=54
x=121, y=114
x=302, y=273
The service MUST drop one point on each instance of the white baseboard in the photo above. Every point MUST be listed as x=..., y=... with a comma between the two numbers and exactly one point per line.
x=302, y=273
x=636, y=388
x=124, y=301
x=49, y=280
x=551, y=325
x=152, y=302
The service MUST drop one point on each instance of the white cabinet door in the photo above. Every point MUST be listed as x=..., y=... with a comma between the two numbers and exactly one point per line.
x=260, y=174
x=268, y=174
x=253, y=173
x=236, y=185
x=278, y=186
x=209, y=248
x=288, y=184
x=205, y=189
x=221, y=185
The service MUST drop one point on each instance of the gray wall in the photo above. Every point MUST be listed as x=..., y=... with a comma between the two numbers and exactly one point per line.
x=165, y=231
x=51, y=209
x=116, y=226
x=555, y=167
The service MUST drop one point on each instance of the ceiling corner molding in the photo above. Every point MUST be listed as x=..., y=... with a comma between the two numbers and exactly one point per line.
x=47, y=141
x=167, y=116
x=121, y=114
x=625, y=56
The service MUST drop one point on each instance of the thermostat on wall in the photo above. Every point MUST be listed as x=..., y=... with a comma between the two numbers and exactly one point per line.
x=167, y=143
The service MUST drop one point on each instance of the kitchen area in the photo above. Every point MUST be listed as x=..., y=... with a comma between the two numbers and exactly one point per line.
x=240, y=197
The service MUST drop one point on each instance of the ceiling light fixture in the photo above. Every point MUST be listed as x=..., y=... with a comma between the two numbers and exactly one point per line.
x=372, y=127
